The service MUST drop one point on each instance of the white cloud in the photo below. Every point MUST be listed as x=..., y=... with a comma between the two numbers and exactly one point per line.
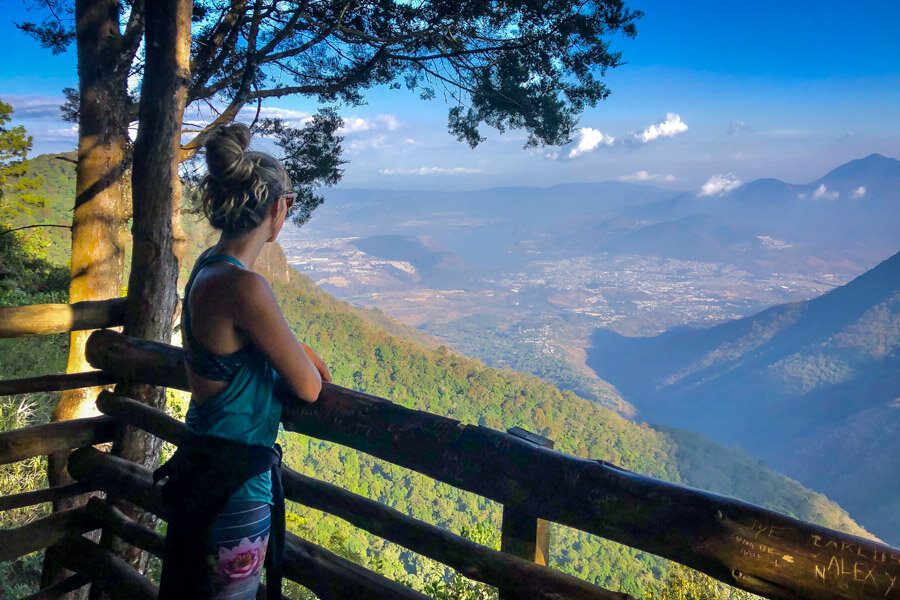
x=432, y=171
x=646, y=176
x=672, y=126
x=290, y=117
x=736, y=128
x=859, y=192
x=200, y=116
x=824, y=192
x=588, y=139
x=389, y=122
x=719, y=185
x=64, y=134
x=35, y=108
x=551, y=154
x=372, y=142
x=355, y=125
x=359, y=124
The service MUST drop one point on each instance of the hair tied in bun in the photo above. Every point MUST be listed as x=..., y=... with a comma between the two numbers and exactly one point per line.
x=238, y=132
x=225, y=156
x=240, y=184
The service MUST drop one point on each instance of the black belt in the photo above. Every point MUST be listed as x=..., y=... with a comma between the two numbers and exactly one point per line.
x=200, y=477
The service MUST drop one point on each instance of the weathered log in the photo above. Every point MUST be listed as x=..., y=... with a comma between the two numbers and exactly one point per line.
x=521, y=578
x=327, y=574
x=45, y=495
x=59, y=590
x=44, y=532
x=118, y=523
x=54, y=383
x=43, y=319
x=119, y=477
x=19, y=444
x=736, y=542
x=131, y=359
x=332, y=577
x=105, y=570
x=137, y=414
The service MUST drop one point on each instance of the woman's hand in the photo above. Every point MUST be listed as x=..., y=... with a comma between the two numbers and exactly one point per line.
x=317, y=361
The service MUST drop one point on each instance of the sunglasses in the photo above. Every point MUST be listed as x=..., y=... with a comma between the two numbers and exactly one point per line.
x=289, y=199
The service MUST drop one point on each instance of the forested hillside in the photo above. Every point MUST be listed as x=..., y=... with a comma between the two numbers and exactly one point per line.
x=363, y=355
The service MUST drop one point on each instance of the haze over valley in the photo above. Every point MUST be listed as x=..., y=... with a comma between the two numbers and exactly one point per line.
x=522, y=277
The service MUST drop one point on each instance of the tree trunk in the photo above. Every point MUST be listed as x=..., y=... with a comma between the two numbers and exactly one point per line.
x=99, y=234
x=156, y=197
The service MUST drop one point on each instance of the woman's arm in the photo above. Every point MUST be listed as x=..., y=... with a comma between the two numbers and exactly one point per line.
x=258, y=315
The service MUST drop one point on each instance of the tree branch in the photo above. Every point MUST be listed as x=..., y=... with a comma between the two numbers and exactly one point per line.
x=131, y=38
x=203, y=66
x=33, y=226
x=352, y=77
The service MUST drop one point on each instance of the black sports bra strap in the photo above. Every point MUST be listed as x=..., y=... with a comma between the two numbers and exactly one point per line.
x=221, y=367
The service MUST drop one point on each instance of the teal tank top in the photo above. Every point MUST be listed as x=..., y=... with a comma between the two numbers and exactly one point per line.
x=246, y=411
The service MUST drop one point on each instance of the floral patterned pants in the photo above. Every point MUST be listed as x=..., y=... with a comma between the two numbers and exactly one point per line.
x=236, y=549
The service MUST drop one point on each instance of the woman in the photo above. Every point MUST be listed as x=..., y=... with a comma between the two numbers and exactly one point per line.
x=239, y=349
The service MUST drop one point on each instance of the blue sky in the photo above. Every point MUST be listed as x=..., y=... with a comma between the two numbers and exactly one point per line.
x=763, y=89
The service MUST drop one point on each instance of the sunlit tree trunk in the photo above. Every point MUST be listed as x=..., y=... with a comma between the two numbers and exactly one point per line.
x=156, y=196
x=99, y=233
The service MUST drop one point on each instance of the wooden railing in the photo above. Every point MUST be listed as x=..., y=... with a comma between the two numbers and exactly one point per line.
x=738, y=543
x=741, y=544
x=43, y=319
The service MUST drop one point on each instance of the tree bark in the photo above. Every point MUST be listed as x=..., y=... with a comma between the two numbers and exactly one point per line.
x=156, y=198
x=99, y=232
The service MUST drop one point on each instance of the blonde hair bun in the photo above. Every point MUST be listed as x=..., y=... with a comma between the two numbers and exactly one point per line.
x=225, y=156
x=240, y=185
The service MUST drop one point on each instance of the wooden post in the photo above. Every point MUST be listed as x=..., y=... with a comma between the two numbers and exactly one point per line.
x=521, y=534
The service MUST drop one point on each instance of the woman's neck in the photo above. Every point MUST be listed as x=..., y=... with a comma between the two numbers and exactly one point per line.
x=245, y=248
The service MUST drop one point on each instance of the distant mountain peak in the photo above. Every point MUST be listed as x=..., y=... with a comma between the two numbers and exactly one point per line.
x=877, y=156
x=869, y=170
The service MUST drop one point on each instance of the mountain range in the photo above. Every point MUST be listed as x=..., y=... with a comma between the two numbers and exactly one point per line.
x=843, y=221
x=811, y=387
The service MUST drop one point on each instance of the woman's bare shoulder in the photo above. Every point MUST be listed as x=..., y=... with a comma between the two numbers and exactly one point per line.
x=228, y=284
x=234, y=288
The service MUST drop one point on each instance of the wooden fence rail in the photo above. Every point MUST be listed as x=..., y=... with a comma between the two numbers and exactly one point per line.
x=44, y=532
x=54, y=383
x=59, y=590
x=328, y=575
x=19, y=444
x=520, y=578
x=41, y=496
x=105, y=570
x=736, y=542
x=42, y=319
